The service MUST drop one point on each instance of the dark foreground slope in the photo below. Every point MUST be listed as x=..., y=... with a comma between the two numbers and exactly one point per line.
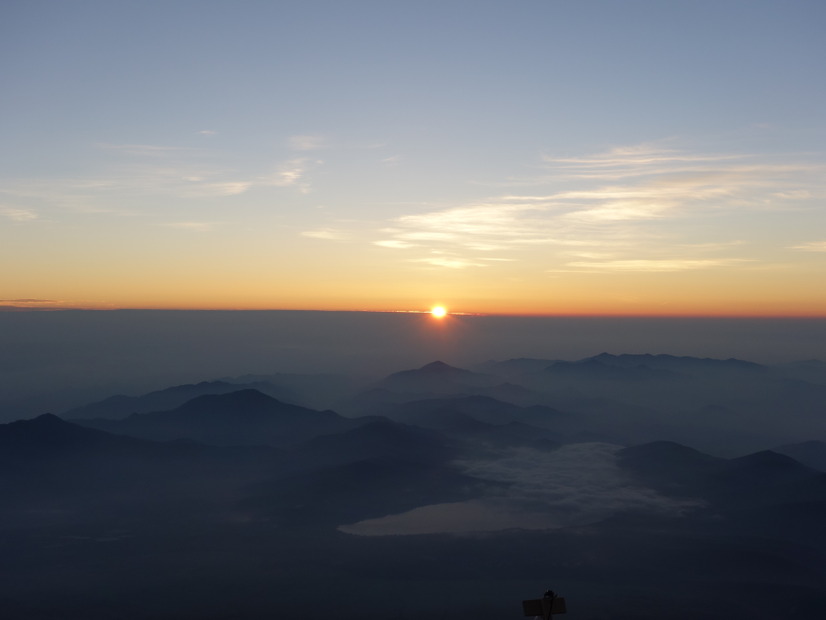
x=237, y=505
x=99, y=526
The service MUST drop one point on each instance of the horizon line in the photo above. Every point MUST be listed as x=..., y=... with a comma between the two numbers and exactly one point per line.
x=458, y=313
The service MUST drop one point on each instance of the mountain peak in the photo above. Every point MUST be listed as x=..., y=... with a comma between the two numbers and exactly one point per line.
x=47, y=418
x=45, y=422
x=241, y=398
x=438, y=366
x=768, y=460
x=660, y=457
x=48, y=434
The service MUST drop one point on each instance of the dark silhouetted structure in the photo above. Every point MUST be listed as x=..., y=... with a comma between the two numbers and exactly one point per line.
x=546, y=606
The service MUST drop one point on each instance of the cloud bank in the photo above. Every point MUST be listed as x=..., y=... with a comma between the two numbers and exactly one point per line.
x=574, y=485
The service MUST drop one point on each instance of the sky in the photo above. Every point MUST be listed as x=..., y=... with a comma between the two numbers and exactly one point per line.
x=526, y=157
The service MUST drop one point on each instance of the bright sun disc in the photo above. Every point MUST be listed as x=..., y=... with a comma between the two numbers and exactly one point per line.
x=438, y=311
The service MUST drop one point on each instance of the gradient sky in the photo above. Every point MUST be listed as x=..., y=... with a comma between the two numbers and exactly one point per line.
x=544, y=157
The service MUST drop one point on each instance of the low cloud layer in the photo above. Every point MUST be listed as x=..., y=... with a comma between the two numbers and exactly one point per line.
x=574, y=485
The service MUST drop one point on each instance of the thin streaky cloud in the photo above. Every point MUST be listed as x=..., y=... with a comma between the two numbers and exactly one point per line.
x=395, y=244
x=193, y=226
x=765, y=175
x=427, y=236
x=229, y=188
x=450, y=263
x=291, y=173
x=641, y=155
x=484, y=247
x=799, y=194
x=174, y=177
x=618, y=159
x=308, y=142
x=650, y=160
x=328, y=234
x=208, y=180
x=148, y=150
x=710, y=246
x=628, y=209
x=812, y=246
x=31, y=304
x=491, y=219
x=653, y=265
x=391, y=161
x=625, y=210
x=593, y=256
x=19, y=215
x=163, y=170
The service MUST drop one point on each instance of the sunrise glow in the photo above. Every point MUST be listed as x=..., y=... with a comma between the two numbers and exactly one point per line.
x=705, y=200
x=438, y=312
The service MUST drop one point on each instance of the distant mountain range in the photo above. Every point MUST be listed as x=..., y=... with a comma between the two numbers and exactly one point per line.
x=243, y=417
x=725, y=406
x=595, y=477
x=120, y=406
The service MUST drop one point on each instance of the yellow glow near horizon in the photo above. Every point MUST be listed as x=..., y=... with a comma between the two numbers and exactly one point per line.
x=201, y=282
x=438, y=312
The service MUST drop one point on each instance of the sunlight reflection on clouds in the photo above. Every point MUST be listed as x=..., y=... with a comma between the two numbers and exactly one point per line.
x=643, y=186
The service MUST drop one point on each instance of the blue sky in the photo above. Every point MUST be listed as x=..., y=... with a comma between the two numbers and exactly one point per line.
x=552, y=156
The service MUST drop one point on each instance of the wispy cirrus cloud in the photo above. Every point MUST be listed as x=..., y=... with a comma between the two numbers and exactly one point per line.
x=393, y=160
x=451, y=262
x=812, y=246
x=136, y=176
x=30, y=304
x=397, y=244
x=652, y=265
x=291, y=173
x=19, y=215
x=148, y=150
x=310, y=142
x=328, y=234
x=626, y=208
x=632, y=161
x=480, y=227
x=795, y=194
x=193, y=226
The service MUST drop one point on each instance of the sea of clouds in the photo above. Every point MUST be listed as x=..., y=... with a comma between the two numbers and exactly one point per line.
x=574, y=485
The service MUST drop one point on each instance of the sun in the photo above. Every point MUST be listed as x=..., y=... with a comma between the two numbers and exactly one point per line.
x=438, y=312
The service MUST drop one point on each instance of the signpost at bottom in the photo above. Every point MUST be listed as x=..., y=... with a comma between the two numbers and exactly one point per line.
x=546, y=606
